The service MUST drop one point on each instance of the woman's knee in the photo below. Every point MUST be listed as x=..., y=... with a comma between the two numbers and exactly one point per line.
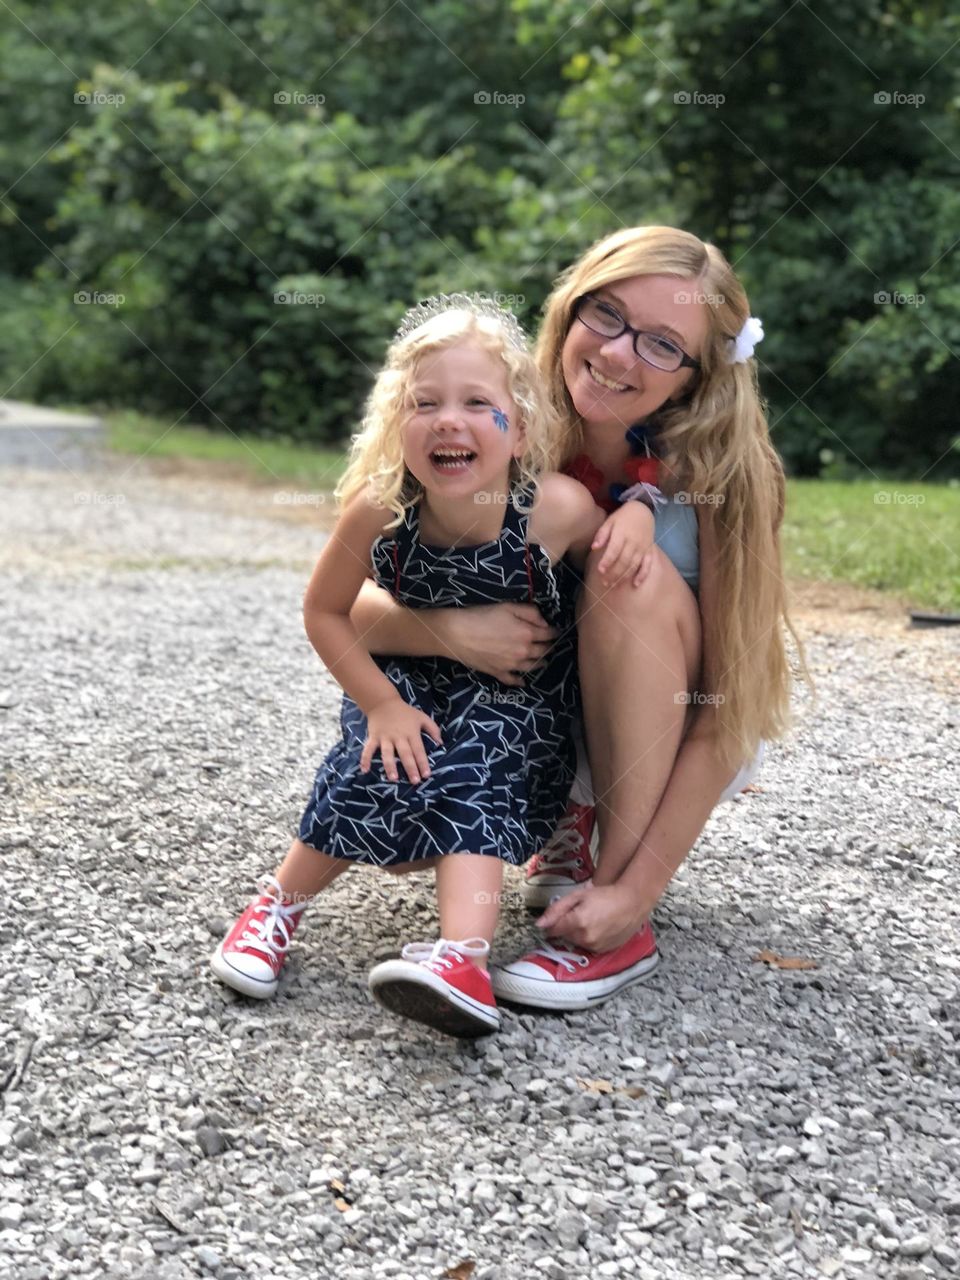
x=663, y=604
x=662, y=594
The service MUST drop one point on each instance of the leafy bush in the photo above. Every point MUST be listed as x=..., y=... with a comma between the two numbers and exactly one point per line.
x=476, y=145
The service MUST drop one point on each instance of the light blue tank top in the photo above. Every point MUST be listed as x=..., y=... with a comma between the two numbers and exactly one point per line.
x=677, y=535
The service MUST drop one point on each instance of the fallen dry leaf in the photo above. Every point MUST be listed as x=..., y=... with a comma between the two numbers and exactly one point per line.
x=784, y=962
x=462, y=1271
x=168, y=1215
x=595, y=1086
x=341, y=1200
x=604, y=1086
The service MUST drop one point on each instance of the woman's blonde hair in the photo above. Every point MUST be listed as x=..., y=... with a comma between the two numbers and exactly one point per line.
x=714, y=443
x=376, y=455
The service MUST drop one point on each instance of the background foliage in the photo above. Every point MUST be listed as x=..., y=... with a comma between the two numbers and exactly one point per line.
x=203, y=195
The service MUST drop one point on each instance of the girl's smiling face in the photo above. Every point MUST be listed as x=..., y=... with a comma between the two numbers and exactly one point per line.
x=608, y=382
x=466, y=428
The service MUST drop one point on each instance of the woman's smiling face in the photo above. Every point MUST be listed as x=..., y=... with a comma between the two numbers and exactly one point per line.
x=608, y=383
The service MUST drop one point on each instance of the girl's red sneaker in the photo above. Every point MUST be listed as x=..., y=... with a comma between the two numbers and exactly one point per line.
x=250, y=957
x=436, y=983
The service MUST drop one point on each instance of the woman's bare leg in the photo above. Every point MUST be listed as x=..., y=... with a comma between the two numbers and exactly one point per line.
x=640, y=654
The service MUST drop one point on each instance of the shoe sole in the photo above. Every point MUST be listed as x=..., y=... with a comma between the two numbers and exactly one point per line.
x=433, y=1005
x=242, y=982
x=537, y=895
x=569, y=996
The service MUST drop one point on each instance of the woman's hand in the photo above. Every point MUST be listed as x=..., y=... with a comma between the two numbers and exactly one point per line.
x=598, y=919
x=394, y=727
x=501, y=640
x=626, y=539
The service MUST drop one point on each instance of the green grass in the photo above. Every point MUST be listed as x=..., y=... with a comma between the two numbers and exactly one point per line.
x=260, y=460
x=908, y=544
x=836, y=530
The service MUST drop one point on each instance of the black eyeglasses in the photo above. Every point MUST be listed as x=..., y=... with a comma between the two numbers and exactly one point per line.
x=605, y=320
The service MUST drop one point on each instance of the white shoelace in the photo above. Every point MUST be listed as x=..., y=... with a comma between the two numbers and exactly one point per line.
x=566, y=840
x=432, y=953
x=564, y=953
x=279, y=917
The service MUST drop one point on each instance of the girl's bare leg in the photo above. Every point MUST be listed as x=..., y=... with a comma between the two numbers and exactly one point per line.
x=305, y=871
x=640, y=655
x=469, y=887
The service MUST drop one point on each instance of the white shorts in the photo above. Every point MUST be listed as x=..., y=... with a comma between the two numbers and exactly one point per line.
x=582, y=790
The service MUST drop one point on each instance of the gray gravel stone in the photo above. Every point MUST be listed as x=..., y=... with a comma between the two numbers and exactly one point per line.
x=916, y=1246
x=167, y=719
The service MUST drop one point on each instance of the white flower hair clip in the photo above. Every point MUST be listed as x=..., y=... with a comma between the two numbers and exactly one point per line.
x=746, y=340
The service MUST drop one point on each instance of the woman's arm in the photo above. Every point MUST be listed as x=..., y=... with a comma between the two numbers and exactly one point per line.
x=385, y=626
x=498, y=639
x=602, y=919
x=697, y=782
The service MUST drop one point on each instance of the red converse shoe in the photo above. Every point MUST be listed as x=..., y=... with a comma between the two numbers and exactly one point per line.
x=559, y=975
x=564, y=863
x=435, y=983
x=250, y=957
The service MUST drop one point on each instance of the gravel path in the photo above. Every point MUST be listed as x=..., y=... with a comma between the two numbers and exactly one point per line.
x=162, y=715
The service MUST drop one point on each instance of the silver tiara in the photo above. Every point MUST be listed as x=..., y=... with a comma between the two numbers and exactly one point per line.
x=480, y=304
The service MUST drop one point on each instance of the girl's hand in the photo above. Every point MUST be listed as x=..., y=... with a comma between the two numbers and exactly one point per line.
x=394, y=727
x=498, y=639
x=627, y=535
x=596, y=919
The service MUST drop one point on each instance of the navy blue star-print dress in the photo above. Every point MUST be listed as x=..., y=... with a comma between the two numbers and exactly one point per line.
x=500, y=782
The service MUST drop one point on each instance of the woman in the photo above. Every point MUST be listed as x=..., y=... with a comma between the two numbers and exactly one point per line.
x=646, y=343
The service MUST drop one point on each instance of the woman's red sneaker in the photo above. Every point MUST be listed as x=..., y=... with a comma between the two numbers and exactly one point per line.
x=559, y=975
x=564, y=863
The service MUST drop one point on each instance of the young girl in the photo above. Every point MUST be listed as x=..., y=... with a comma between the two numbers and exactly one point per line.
x=450, y=498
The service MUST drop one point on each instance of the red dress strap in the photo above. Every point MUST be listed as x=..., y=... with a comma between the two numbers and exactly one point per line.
x=526, y=548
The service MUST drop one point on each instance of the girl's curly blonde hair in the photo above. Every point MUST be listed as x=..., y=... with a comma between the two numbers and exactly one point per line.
x=376, y=452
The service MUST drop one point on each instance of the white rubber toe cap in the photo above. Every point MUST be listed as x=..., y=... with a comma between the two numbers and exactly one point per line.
x=523, y=969
x=246, y=973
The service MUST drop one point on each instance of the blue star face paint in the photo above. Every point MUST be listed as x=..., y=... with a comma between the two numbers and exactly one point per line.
x=501, y=420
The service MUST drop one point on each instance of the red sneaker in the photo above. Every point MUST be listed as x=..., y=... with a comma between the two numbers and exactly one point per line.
x=250, y=957
x=559, y=975
x=564, y=863
x=435, y=983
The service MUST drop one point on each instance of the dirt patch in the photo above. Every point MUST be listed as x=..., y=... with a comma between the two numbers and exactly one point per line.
x=231, y=487
x=819, y=603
